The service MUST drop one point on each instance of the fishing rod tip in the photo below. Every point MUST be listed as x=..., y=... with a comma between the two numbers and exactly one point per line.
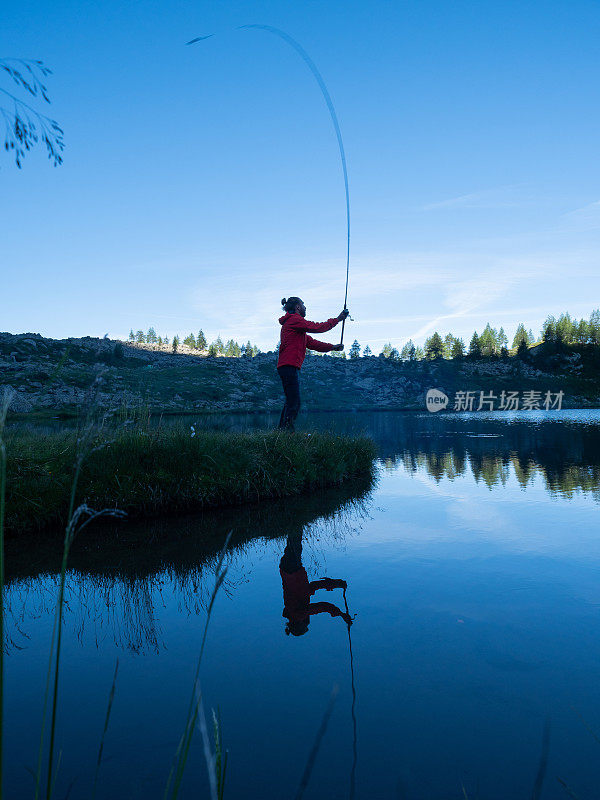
x=199, y=39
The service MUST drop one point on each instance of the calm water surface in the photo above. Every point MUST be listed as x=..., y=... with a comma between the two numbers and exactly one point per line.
x=473, y=569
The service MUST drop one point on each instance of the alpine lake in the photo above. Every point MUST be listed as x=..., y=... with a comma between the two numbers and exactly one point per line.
x=471, y=668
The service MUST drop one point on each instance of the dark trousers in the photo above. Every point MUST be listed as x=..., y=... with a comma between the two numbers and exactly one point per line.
x=291, y=389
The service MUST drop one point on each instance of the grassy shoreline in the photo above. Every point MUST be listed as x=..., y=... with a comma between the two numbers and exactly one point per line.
x=147, y=472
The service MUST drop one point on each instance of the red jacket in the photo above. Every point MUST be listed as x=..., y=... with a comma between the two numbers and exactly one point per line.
x=295, y=339
x=297, y=592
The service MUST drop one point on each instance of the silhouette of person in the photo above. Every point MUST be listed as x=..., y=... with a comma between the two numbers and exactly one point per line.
x=297, y=590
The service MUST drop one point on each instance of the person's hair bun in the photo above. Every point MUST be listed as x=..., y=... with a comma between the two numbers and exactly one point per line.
x=283, y=302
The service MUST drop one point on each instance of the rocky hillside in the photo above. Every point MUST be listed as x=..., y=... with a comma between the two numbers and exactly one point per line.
x=64, y=375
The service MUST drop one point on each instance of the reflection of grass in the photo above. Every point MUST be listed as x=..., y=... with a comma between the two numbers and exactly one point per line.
x=147, y=472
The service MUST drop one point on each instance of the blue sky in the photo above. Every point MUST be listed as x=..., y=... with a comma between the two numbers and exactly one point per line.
x=202, y=184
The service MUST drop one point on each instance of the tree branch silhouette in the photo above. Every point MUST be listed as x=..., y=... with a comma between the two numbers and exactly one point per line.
x=25, y=126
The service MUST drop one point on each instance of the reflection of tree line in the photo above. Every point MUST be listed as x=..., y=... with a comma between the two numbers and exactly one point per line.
x=566, y=456
x=118, y=578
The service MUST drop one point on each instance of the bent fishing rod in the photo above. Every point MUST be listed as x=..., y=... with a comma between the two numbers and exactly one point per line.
x=336, y=126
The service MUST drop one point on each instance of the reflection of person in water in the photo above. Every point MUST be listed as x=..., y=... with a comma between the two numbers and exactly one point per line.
x=297, y=590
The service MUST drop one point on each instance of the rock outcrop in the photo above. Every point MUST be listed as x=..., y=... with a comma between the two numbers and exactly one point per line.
x=70, y=374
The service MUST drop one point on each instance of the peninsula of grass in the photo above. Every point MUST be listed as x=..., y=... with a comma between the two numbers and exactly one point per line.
x=150, y=472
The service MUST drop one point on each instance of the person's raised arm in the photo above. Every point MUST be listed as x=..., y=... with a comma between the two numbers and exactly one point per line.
x=329, y=608
x=306, y=325
x=321, y=347
x=328, y=584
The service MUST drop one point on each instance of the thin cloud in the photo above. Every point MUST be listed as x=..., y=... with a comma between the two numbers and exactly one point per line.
x=499, y=197
x=461, y=289
x=584, y=218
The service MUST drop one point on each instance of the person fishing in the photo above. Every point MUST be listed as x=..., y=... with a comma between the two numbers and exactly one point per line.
x=292, y=349
x=297, y=590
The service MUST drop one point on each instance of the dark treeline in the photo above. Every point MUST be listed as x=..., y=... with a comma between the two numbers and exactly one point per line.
x=198, y=342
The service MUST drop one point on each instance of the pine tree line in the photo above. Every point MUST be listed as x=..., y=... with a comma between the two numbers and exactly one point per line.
x=492, y=342
x=230, y=349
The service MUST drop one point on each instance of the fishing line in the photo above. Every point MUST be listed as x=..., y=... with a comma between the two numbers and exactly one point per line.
x=353, y=709
x=329, y=102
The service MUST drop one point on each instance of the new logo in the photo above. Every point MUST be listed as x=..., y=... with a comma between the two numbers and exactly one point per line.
x=435, y=400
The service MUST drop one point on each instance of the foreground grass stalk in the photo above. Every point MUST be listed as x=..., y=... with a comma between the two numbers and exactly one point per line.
x=75, y=526
x=57, y=631
x=56, y=627
x=7, y=398
x=111, y=697
x=312, y=756
x=220, y=757
x=181, y=754
x=78, y=519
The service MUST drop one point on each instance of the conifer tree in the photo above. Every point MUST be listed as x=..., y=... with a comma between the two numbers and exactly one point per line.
x=354, y=351
x=232, y=349
x=520, y=335
x=434, y=347
x=367, y=352
x=583, y=332
x=140, y=337
x=201, y=340
x=408, y=351
x=448, y=344
x=549, y=330
x=474, y=346
x=458, y=349
x=488, y=341
x=131, y=335
x=190, y=341
x=151, y=336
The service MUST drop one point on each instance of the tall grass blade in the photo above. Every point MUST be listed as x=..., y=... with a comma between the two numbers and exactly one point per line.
x=568, y=789
x=111, y=697
x=541, y=773
x=587, y=725
x=181, y=754
x=6, y=401
x=312, y=756
x=208, y=755
x=220, y=756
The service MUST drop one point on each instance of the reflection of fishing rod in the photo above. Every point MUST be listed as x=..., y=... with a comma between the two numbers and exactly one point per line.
x=354, y=744
x=327, y=97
